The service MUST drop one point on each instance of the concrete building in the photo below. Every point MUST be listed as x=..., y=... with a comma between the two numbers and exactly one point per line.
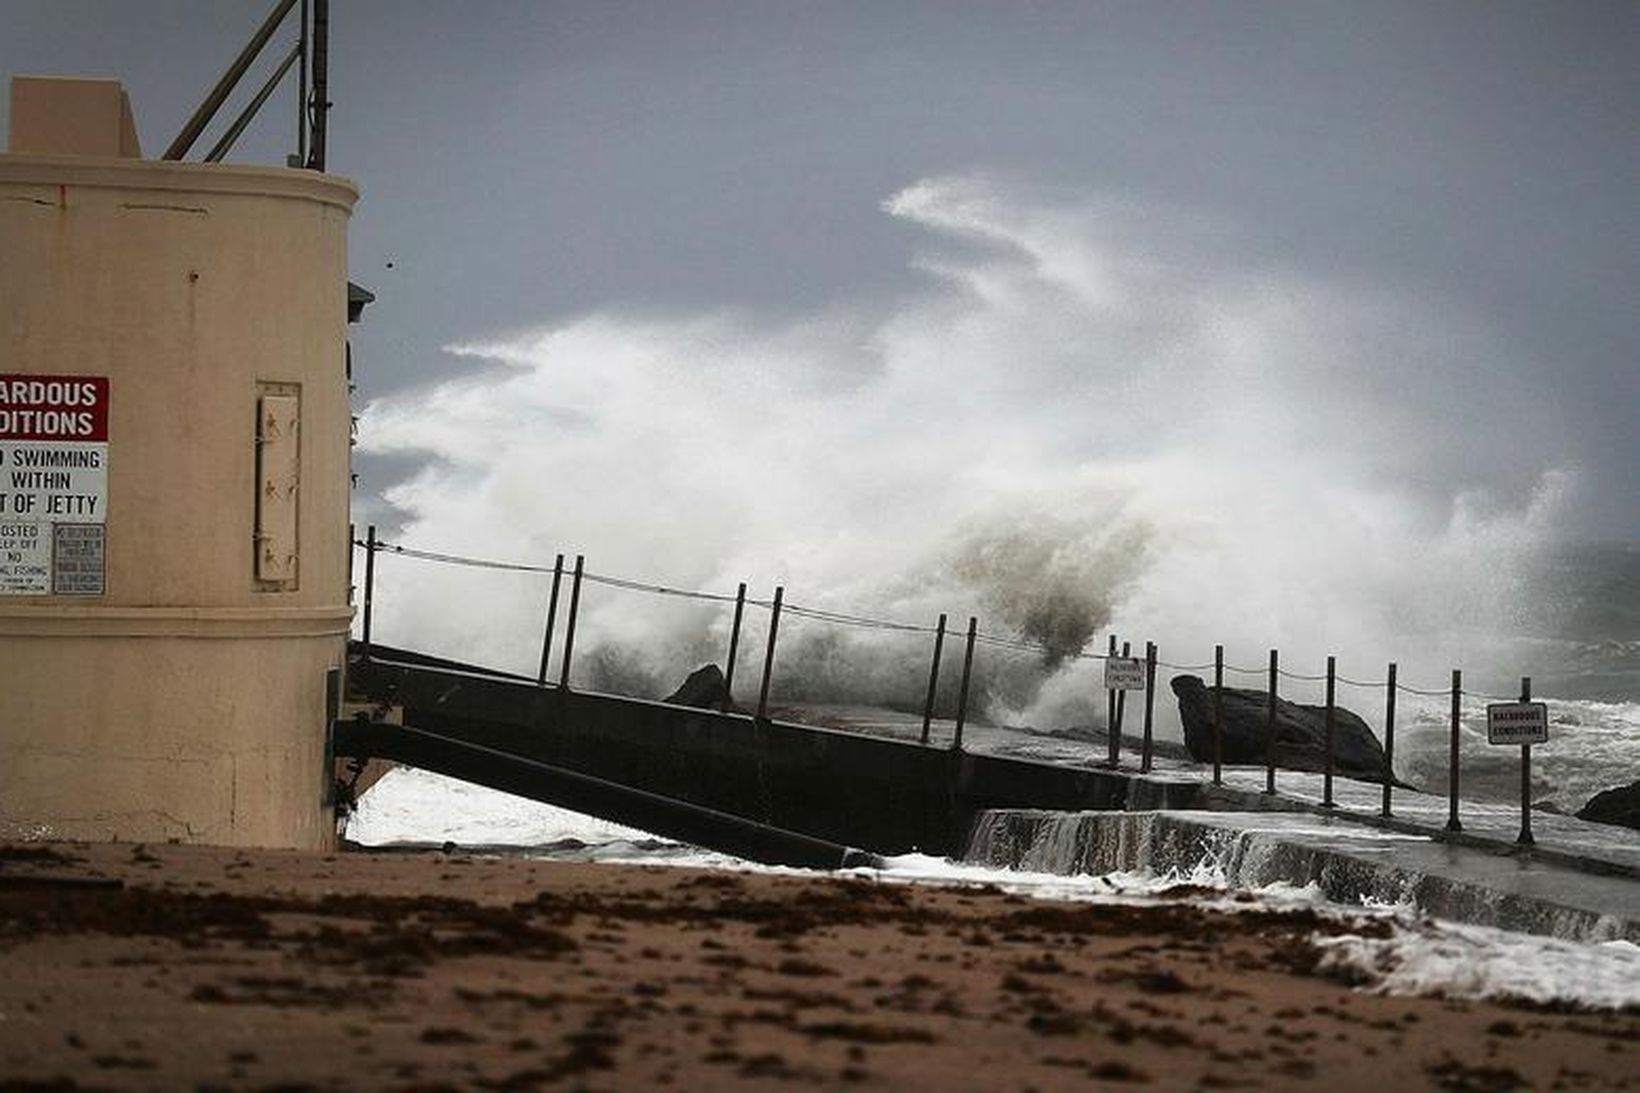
x=174, y=446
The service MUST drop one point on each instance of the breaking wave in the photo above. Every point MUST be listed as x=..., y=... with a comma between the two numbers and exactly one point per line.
x=1086, y=417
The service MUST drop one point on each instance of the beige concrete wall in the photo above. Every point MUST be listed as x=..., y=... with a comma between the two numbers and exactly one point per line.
x=64, y=115
x=188, y=701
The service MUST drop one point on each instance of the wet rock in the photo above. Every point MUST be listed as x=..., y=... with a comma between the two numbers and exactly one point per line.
x=1620, y=806
x=1301, y=731
x=703, y=689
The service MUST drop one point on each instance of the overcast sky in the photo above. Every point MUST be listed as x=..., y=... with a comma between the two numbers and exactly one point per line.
x=525, y=163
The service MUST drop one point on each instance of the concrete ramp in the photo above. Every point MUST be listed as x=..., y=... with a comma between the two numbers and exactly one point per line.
x=663, y=816
x=885, y=796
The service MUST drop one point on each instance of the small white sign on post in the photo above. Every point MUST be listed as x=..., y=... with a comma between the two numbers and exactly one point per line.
x=1124, y=674
x=1517, y=723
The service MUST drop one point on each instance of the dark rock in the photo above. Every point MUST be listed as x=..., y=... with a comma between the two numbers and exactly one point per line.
x=1620, y=806
x=1301, y=732
x=703, y=689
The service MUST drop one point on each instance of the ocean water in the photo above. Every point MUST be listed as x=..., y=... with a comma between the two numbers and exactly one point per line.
x=1588, y=640
x=1581, y=648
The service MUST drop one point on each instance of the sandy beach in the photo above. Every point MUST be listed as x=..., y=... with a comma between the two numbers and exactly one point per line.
x=172, y=967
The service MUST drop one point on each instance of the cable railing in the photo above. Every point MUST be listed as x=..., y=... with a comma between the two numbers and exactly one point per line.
x=1123, y=670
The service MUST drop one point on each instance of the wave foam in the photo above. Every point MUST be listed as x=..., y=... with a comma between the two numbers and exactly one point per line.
x=1087, y=418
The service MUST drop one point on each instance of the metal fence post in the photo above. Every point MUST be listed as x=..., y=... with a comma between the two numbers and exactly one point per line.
x=933, y=677
x=734, y=648
x=552, y=616
x=1150, y=705
x=1389, y=738
x=962, y=691
x=1525, y=838
x=1270, y=727
x=1218, y=715
x=1327, y=774
x=369, y=586
x=1452, y=823
x=768, y=654
x=569, y=623
x=1121, y=716
x=1110, y=709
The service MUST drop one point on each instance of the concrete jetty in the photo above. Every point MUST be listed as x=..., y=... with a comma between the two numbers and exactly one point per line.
x=1001, y=800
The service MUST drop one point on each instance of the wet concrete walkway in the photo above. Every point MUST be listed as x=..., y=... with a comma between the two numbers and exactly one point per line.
x=1577, y=880
x=1489, y=826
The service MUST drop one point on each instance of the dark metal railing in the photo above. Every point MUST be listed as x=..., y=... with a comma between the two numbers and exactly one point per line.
x=1115, y=696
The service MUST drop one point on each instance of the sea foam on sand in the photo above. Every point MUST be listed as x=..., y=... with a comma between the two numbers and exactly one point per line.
x=1479, y=962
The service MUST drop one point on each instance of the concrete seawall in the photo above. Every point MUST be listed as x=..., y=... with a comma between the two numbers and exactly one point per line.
x=1347, y=861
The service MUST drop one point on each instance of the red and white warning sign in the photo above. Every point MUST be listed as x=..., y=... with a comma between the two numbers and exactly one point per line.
x=53, y=484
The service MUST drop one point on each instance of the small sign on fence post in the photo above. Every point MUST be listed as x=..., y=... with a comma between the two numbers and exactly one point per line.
x=1517, y=723
x=1124, y=674
x=1524, y=723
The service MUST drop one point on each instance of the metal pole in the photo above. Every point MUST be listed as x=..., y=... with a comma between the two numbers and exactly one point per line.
x=1121, y=716
x=1327, y=773
x=369, y=584
x=552, y=615
x=1270, y=727
x=226, y=140
x=302, y=88
x=1150, y=704
x=768, y=655
x=1389, y=738
x=569, y=623
x=933, y=677
x=1110, y=711
x=962, y=691
x=1218, y=715
x=1525, y=838
x=1452, y=823
x=333, y=710
x=320, y=97
x=734, y=648
x=225, y=85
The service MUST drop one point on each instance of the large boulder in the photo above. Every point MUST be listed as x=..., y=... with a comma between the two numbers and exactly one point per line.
x=1301, y=731
x=704, y=689
x=1620, y=806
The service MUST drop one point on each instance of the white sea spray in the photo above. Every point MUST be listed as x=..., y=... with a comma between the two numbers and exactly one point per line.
x=1087, y=419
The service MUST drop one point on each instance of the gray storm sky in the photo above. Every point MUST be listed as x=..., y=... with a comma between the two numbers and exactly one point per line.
x=526, y=162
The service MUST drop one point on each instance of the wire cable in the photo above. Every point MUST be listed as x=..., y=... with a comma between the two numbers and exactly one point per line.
x=866, y=622
x=1285, y=674
x=1444, y=692
x=457, y=559
x=1186, y=667
x=657, y=589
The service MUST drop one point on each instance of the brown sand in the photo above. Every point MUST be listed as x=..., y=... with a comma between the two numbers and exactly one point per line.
x=219, y=969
